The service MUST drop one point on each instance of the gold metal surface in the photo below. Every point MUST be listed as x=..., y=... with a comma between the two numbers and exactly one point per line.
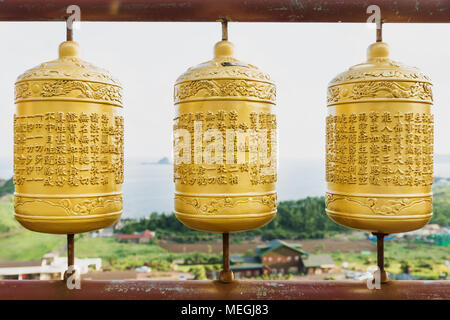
x=68, y=146
x=224, y=94
x=379, y=147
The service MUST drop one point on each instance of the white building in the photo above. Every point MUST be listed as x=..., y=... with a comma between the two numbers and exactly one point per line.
x=50, y=267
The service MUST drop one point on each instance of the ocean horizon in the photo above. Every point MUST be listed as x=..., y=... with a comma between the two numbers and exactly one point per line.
x=148, y=187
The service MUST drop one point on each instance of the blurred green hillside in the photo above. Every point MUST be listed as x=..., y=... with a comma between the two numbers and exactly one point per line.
x=7, y=221
x=6, y=187
x=441, y=205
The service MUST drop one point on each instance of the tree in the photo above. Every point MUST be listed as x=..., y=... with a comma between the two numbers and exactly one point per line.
x=198, y=272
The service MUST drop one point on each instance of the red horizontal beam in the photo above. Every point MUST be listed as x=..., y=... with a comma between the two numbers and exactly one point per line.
x=233, y=10
x=214, y=290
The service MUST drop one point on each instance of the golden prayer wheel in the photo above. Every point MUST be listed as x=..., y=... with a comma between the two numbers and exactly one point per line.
x=379, y=149
x=68, y=146
x=232, y=189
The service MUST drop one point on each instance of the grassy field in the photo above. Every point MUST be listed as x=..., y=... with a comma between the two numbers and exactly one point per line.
x=117, y=255
x=7, y=221
x=23, y=245
x=424, y=260
x=187, y=268
x=16, y=243
x=29, y=245
x=124, y=256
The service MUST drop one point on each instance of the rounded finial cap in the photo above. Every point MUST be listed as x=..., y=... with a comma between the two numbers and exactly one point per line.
x=223, y=49
x=378, y=50
x=69, y=49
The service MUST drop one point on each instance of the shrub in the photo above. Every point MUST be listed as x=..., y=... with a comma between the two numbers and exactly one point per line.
x=198, y=272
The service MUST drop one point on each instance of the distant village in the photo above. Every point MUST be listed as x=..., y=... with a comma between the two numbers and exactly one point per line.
x=431, y=233
x=276, y=258
x=137, y=237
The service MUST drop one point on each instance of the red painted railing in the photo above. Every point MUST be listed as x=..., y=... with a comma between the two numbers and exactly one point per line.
x=214, y=290
x=232, y=10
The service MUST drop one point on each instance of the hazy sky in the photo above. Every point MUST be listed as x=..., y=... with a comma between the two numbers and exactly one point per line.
x=301, y=58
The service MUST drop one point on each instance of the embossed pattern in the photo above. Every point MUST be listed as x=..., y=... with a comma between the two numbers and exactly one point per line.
x=379, y=145
x=380, y=149
x=68, y=146
x=381, y=205
x=70, y=206
x=224, y=113
x=225, y=88
x=79, y=90
x=56, y=149
x=379, y=89
x=216, y=205
x=223, y=174
x=380, y=75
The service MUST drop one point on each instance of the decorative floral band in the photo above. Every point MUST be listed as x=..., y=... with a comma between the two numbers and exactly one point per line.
x=367, y=90
x=386, y=206
x=67, y=206
x=74, y=89
x=218, y=205
x=380, y=75
x=204, y=89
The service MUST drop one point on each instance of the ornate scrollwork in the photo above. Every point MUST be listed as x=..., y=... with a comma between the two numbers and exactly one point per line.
x=387, y=206
x=69, y=88
x=71, y=206
x=225, y=88
x=380, y=75
x=380, y=89
x=208, y=205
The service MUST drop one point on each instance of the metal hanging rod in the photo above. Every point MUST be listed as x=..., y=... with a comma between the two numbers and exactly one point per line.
x=418, y=11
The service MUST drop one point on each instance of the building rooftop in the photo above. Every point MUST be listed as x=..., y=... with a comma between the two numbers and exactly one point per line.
x=144, y=234
x=128, y=236
x=275, y=244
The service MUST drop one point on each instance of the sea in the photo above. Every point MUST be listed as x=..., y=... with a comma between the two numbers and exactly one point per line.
x=148, y=187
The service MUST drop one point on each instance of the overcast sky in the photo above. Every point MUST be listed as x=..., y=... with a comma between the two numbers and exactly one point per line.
x=301, y=58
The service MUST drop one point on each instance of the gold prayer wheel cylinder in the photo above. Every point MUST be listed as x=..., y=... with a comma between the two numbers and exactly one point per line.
x=379, y=146
x=68, y=146
x=222, y=100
